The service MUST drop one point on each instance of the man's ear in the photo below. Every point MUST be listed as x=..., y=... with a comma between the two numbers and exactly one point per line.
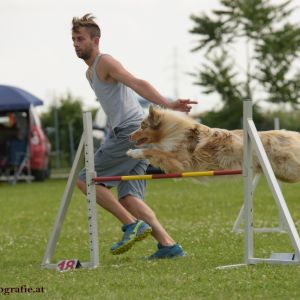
x=96, y=40
x=154, y=116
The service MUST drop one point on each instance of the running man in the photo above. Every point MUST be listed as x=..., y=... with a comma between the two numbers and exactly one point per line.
x=114, y=87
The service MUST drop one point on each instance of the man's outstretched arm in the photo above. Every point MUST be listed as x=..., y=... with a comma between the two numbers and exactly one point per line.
x=113, y=69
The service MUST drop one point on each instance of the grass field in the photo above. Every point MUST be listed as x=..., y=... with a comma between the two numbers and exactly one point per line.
x=199, y=216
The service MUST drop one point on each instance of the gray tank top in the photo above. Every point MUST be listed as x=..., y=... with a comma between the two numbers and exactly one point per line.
x=118, y=101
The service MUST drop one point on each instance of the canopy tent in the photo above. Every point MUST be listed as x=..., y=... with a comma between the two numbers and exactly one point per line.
x=13, y=98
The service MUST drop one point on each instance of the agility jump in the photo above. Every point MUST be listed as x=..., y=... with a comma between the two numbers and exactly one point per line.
x=251, y=139
x=167, y=176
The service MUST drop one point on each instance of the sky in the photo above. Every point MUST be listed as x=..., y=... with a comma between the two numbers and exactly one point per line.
x=149, y=37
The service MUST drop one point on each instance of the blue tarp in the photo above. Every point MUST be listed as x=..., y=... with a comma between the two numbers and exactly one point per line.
x=13, y=98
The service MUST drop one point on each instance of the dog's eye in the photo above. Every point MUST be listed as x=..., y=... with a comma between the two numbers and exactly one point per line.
x=144, y=125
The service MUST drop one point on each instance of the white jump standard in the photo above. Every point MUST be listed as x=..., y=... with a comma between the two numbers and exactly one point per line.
x=251, y=138
x=238, y=222
x=85, y=147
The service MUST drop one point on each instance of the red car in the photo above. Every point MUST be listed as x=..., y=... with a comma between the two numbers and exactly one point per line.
x=24, y=147
x=40, y=148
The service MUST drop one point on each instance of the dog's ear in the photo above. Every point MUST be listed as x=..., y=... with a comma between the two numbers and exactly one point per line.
x=154, y=117
x=151, y=111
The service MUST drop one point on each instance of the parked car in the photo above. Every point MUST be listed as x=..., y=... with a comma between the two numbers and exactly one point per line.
x=24, y=146
x=40, y=148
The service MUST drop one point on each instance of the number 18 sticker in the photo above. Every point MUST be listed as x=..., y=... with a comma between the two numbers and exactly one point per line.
x=68, y=264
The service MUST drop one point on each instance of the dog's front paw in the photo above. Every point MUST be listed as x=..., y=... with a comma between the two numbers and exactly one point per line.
x=135, y=153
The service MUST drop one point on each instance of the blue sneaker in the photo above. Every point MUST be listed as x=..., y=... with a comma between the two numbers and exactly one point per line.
x=168, y=252
x=132, y=233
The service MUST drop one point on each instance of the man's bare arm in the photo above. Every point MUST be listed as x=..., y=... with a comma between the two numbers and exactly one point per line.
x=116, y=71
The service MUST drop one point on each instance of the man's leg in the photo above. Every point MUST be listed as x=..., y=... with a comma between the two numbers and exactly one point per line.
x=134, y=230
x=107, y=200
x=142, y=211
x=167, y=247
x=130, y=194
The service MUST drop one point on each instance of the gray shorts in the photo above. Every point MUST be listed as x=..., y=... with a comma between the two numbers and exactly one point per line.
x=111, y=160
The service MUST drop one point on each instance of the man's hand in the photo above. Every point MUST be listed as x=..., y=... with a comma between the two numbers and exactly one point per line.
x=182, y=105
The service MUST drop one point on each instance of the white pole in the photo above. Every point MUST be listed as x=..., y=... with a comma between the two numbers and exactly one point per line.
x=91, y=190
x=281, y=225
x=248, y=189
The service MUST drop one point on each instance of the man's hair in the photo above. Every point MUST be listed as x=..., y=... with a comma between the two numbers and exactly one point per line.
x=87, y=21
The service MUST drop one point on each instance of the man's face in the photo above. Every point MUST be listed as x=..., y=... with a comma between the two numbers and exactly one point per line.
x=83, y=43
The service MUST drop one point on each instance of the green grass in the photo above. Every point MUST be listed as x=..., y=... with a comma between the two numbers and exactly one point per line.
x=198, y=216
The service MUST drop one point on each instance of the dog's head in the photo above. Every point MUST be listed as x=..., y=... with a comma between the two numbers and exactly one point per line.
x=149, y=132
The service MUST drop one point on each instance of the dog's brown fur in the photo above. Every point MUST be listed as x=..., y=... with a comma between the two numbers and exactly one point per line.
x=180, y=144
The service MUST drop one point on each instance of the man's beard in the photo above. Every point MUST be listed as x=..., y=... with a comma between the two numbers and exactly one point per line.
x=84, y=54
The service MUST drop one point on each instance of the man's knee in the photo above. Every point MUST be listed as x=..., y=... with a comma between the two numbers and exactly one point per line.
x=127, y=200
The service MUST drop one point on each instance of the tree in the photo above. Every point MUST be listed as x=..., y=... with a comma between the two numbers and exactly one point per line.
x=69, y=114
x=272, y=47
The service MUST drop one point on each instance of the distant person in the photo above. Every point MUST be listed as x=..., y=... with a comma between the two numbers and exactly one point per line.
x=17, y=145
x=22, y=122
x=114, y=87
